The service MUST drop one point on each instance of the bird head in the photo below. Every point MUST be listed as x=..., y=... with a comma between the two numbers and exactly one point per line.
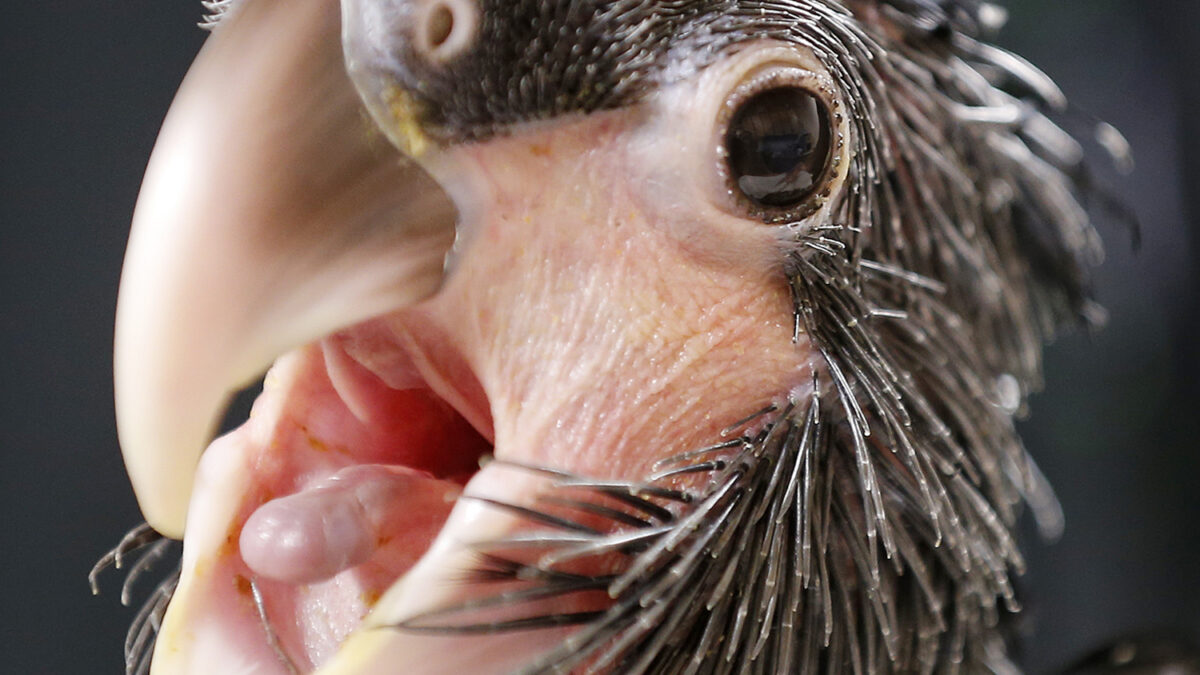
x=637, y=335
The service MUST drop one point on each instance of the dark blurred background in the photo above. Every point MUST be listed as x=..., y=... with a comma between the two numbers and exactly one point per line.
x=84, y=85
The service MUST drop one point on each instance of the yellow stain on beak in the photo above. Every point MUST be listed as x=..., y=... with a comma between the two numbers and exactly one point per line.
x=406, y=130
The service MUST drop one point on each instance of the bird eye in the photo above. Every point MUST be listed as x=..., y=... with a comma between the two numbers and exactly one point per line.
x=778, y=147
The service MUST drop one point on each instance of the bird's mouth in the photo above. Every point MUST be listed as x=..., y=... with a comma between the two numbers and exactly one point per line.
x=699, y=351
x=349, y=480
x=347, y=526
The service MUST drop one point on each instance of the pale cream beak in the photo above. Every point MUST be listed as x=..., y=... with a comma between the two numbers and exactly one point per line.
x=272, y=214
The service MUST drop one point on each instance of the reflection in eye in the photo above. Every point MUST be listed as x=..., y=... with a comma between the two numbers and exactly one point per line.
x=778, y=146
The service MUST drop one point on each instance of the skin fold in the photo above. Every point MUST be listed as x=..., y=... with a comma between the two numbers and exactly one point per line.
x=640, y=420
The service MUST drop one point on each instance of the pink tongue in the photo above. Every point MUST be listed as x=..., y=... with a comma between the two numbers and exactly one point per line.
x=339, y=522
x=304, y=516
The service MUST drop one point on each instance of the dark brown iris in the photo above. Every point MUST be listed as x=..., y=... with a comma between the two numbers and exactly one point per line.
x=779, y=147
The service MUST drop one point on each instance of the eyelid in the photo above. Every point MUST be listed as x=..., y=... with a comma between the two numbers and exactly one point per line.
x=773, y=75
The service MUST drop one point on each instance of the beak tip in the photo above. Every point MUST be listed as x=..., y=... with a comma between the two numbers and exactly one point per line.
x=169, y=524
x=161, y=430
x=162, y=483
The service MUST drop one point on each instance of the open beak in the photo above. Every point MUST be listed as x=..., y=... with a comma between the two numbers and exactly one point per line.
x=662, y=340
x=272, y=213
x=588, y=311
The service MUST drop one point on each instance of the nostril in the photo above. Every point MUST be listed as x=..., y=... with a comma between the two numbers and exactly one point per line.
x=446, y=28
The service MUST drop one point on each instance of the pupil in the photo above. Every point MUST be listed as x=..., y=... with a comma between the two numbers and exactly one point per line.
x=783, y=152
x=778, y=146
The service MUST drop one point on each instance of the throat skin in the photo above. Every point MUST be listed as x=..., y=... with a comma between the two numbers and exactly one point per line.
x=603, y=334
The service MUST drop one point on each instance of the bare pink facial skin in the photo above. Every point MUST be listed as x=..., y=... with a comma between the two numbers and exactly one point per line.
x=581, y=328
x=607, y=304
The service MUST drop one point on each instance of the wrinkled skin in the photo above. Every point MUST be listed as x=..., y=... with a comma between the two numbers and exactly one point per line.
x=610, y=303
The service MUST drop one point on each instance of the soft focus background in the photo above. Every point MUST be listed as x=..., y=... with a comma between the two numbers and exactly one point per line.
x=84, y=85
